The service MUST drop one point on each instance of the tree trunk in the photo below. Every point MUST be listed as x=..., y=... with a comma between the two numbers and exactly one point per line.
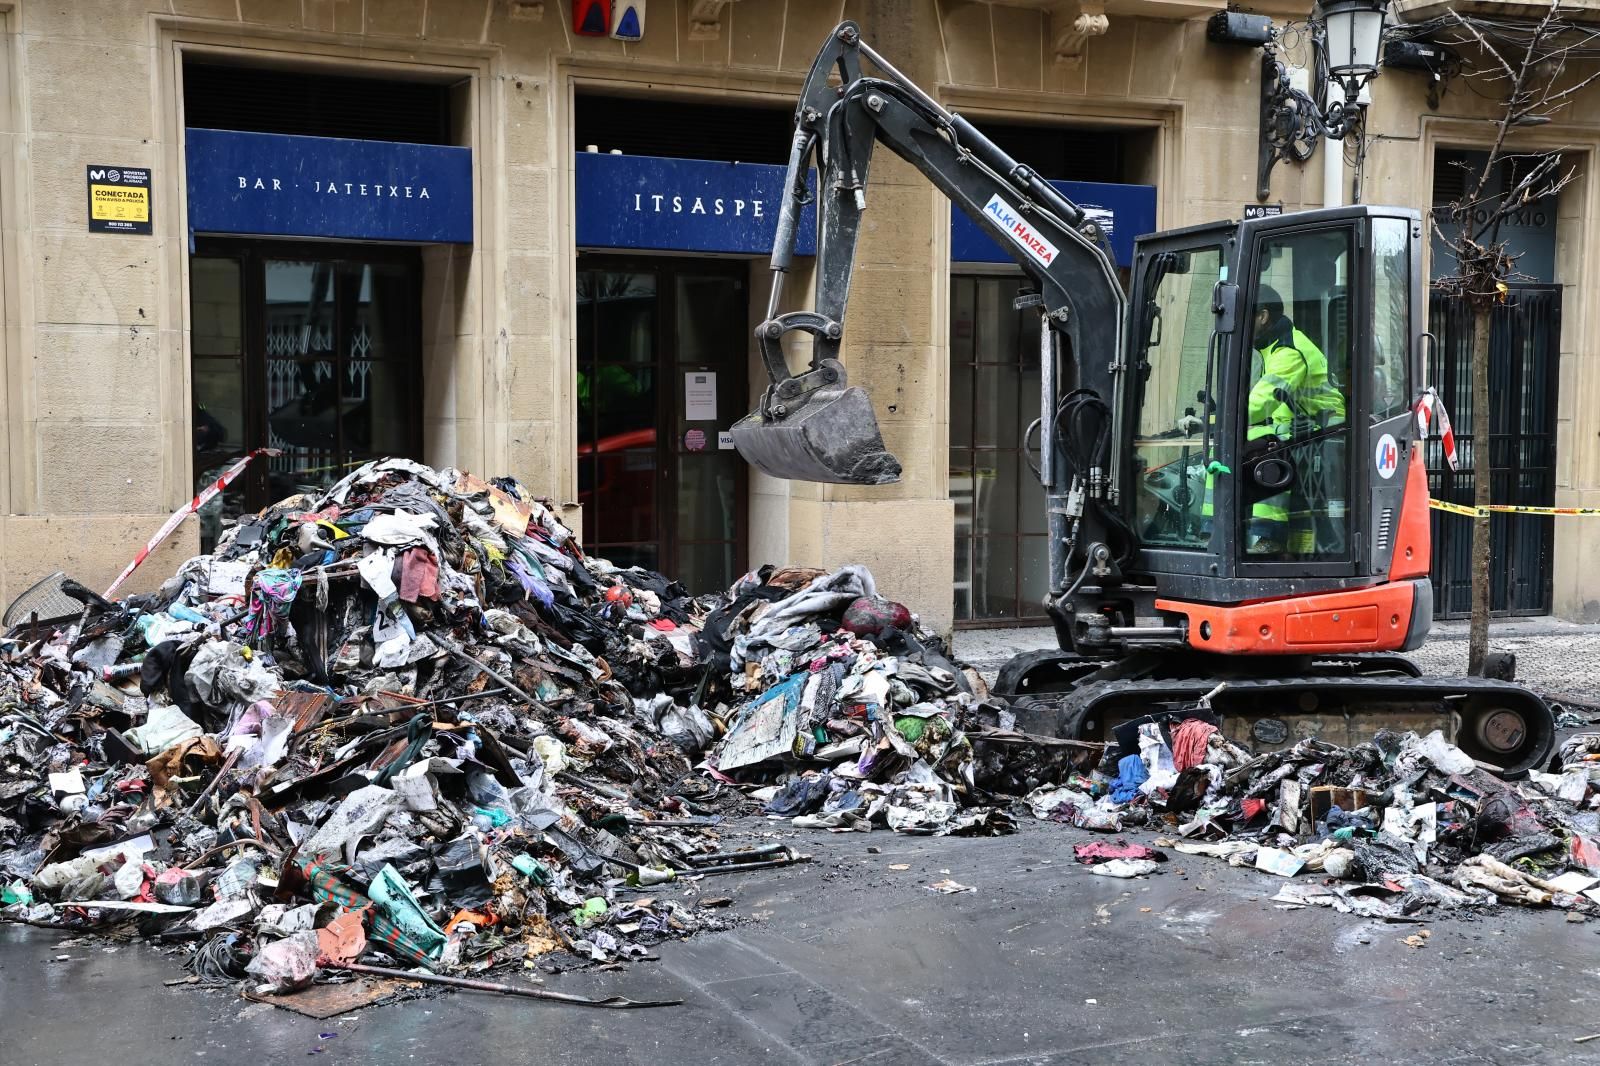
x=1478, y=642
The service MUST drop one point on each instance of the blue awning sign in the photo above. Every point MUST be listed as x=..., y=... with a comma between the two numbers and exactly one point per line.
x=682, y=205
x=270, y=184
x=701, y=205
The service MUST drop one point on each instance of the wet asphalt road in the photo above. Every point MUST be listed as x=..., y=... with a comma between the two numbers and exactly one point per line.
x=847, y=961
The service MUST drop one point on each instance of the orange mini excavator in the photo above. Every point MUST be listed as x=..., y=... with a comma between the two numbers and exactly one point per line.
x=1237, y=502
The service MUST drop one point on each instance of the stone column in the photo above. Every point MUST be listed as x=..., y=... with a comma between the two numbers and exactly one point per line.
x=896, y=347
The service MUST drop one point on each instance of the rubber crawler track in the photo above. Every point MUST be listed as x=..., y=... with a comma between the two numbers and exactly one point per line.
x=1095, y=700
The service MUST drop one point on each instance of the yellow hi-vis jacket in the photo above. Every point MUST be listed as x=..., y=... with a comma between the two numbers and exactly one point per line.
x=1298, y=370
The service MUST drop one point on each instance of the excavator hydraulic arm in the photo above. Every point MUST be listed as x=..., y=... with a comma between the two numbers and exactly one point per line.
x=813, y=425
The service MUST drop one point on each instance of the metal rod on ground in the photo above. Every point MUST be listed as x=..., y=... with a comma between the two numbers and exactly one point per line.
x=454, y=699
x=674, y=823
x=740, y=856
x=328, y=573
x=645, y=876
x=612, y=1002
x=740, y=867
x=604, y=790
x=417, y=704
x=379, y=712
x=470, y=661
x=239, y=842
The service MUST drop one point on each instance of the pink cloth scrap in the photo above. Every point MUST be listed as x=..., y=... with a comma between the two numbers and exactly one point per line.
x=419, y=576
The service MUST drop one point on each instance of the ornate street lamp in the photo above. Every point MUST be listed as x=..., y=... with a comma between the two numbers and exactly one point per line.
x=1354, y=33
x=1347, y=38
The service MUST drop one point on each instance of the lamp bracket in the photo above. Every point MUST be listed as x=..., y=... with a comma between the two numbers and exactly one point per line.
x=1291, y=122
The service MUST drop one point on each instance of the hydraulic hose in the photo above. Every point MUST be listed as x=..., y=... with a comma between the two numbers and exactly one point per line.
x=1083, y=425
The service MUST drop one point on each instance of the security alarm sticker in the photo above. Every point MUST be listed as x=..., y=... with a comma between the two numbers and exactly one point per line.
x=1021, y=234
x=119, y=199
x=1388, y=456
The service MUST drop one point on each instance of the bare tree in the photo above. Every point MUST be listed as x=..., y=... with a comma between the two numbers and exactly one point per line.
x=1536, y=69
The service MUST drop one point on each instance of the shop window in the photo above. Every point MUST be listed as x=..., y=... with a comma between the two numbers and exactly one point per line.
x=1002, y=545
x=303, y=103
x=677, y=129
x=309, y=349
x=1002, y=551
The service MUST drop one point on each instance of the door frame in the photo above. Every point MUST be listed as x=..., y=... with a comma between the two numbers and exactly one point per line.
x=666, y=268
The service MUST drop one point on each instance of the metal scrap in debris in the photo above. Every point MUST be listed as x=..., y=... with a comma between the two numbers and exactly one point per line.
x=500, y=988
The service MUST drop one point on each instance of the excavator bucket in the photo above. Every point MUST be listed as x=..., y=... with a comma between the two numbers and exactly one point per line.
x=830, y=436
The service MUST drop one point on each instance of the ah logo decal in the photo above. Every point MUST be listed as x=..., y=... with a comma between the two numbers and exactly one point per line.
x=1388, y=456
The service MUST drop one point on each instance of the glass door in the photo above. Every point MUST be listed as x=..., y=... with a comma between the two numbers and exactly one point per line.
x=312, y=350
x=663, y=346
x=619, y=466
x=711, y=346
x=1002, y=540
x=1296, y=398
x=1174, y=497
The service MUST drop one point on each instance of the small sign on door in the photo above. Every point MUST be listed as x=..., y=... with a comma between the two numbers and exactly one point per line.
x=699, y=396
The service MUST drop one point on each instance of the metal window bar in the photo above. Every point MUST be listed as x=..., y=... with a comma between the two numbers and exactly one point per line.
x=1524, y=349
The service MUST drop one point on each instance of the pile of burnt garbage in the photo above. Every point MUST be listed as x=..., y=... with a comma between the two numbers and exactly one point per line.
x=1401, y=825
x=408, y=721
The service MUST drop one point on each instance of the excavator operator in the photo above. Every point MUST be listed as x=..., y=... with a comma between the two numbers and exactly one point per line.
x=1290, y=400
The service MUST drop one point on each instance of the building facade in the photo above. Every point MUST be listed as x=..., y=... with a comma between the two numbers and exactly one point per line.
x=467, y=232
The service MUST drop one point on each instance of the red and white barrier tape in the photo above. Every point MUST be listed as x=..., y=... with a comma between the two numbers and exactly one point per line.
x=203, y=497
x=1429, y=407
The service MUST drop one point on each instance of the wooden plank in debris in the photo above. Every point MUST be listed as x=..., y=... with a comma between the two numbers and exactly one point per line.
x=326, y=1001
x=306, y=708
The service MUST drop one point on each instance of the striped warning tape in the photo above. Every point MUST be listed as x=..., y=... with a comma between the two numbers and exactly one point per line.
x=1504, y=508
x=200, y=499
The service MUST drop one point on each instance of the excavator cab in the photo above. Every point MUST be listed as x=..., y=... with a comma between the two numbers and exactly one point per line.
x=1272, y=368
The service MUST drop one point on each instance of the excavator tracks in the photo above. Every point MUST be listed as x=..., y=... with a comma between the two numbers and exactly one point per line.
x=1498, y=723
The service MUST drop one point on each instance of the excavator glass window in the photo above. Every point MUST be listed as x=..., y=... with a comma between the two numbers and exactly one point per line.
x=1295, y=477
x=1175, y=323
x=1391, y=317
